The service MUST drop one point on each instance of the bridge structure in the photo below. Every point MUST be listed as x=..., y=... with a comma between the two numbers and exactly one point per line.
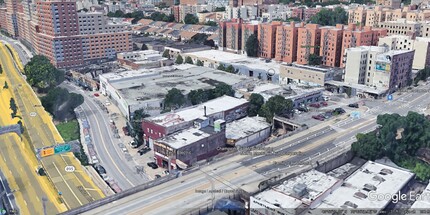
x=11, y=129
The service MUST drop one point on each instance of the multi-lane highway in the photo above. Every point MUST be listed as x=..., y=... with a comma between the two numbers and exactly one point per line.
x=121, y=170
x=189, y=192
x=73, y=189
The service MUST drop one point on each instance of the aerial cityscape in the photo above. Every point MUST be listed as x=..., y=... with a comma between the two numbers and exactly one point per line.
x=214, y=107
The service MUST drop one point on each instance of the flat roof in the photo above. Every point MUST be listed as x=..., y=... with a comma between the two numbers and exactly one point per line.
x=313, y=183
x=139, y=86
x=231, y=58
x=185, y=137
x=197, y=111
x=354, y=192
x=424, y=200
x=245, y=127
x=361, y=87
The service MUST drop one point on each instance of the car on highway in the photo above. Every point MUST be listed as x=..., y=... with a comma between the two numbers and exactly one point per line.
x=153, y=165
x=143, y=150
x=94, y=159
x=353, y=105
x=318, y=117
x=315, y=105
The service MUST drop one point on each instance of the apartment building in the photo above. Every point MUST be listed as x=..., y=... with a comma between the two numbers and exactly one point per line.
x=231, y=32
x=248, y=29
x=267, y=39
x=308, y=42
x=389, y=3
x=374, y=16
x=378, y=67
x=11, y=21
x=304, y=14
x=357, y=15
x=3, y=20
x=286, y=42
x=360, y=36
x=421, y=45
x=331, y=45
x=402, y=27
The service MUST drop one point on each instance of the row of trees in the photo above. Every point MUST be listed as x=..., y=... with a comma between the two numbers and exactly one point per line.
x=330, y=17
x=398, y=138
x=138, y=15
x=276, y=105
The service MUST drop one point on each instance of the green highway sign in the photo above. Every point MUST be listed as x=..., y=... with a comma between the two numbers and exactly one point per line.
x=62, y=148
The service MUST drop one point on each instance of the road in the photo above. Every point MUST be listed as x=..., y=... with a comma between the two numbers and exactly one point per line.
x=74, y=189
x=110, y=155
x=185, y=194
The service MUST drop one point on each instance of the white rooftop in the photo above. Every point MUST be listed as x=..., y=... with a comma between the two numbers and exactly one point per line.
x=184, y=137
x=213, y=106
x=245, y=127
x=423, y=201
x=355, y=189
x=316, y=184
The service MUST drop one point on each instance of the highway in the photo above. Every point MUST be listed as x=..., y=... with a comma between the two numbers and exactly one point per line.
x=187, y=193
x=73, y=189
x=110, y=155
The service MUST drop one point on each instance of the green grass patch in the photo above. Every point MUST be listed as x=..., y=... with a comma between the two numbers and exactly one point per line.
x=69, y=130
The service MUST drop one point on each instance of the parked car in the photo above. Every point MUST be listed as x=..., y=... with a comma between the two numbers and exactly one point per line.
x=318, y=117
x=324, y=104
x=125, y=130
x=339, y=111
x=302, y=109
x=96, y=94
x=326, y=98
x=353, y=105
x=94, y=159
x=143, y=150
x=152, y=165
x=105, y=177
x=315, y=105
x=157, y=176
x=100, y=169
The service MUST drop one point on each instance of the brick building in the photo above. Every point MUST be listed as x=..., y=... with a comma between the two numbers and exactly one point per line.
x=3, y=20
x=331, y=45
x=231, y=32
x=286, y=42
x=308, y=42
x=11, y=21
x=267, y=39
x=248, y=29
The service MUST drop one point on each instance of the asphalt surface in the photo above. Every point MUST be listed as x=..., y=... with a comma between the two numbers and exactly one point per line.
x=121, y=170
x=74, y=189
x=189, y=192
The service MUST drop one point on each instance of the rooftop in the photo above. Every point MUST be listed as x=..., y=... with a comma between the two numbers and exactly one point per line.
x=372, y=176
x=140, y=86
x=245, y=127
x=192, y=113
x=423, y=202
x=302, y=189
x=185, y=137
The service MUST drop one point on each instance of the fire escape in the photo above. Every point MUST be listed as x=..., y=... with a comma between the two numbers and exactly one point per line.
x=325, y=48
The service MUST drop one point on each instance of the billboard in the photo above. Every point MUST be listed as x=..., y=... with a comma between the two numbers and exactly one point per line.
x=383, y=67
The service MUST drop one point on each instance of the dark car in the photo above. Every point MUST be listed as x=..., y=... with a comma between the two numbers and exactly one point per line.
x=152, y=165
x=324, y=104
x=100, y=169
x=125, y=130
x=339, y=111
x=143, y=150
x=315, y=105
x=302, y=109
x=318, y=117
x=353, y=105
x=157, y=176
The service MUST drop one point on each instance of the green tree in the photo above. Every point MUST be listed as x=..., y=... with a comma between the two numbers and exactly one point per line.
x=199, y=96
x=276, y=105
x=314, y=59
x=173, y=99
x=211, y=23
x=330, y=17
x=199, y=63
x=42, y=74
x=21, y=126
x=422, y=171
x=188, y=60
x=179, y=60
x=166, y=54
x=221, y=67
x=191, y=19
x=13, y=107
x=251, y=46
x=229, y=69
x=223, y=89
x=144, y=47
x=61, y=104
x=136, y=124
x=255, y=102
x=5, y=85
x=1, y=69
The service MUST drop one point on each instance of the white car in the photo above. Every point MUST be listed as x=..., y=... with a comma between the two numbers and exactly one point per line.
x=105, y=177
x=94, y=159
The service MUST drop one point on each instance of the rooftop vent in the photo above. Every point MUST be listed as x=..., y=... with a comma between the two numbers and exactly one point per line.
x=300, y=189
x=369, y=187
x=350, y=204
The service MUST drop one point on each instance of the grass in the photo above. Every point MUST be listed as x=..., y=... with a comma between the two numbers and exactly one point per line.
x=69, y=130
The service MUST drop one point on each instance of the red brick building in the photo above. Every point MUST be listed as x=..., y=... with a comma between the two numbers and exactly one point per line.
x=286, y=43
x=308, y=42
x=267, y=39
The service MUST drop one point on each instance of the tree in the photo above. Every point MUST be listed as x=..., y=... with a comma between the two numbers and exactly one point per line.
x=330, y=17
x=136, y=124
x=61, y=104
x=223, y=89
x=199, y=96
x=191, y=19
x=117, y=13
x=199, y=63
x=230, y=69
x=13, y=107
x=21, y=126
x=251, y=46
x=188, y=60
x=1, y=69
x=173, y=99
x=255, y=102
x=276, y=105
x=144, y=47
x=5, y=85
x=166, y=54
x=221, y=67
x=314, y=59
x=179, y=60
x=42, y=74
x=210, y=43
x=211, y=23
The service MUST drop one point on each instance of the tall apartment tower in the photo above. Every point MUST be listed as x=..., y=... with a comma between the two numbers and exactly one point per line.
x=231, y=32
x=286, y=42
x=331, y=45
x=248, y=29
x=267, y=39
x=11, y=22
x=308, y=42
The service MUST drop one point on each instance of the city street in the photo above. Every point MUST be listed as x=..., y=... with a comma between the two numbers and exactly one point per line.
x=247, y=171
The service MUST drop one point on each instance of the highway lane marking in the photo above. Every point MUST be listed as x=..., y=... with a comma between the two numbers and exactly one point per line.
x=106, y=150
x=67, y=184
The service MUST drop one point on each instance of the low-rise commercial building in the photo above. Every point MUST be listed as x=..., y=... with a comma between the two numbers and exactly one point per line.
x=142, y=60
x=402, y=27
x=145, y=89
x=247, y=132
x=421, y=45
x=308, y=75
